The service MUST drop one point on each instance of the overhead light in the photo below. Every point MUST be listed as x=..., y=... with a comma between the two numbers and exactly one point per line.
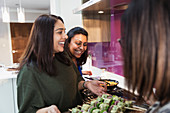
x=21, y=13
x=5, y=13
x=100, y=12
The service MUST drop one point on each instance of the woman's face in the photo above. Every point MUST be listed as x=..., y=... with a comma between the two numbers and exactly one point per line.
x=59, y=36
x=78, y=45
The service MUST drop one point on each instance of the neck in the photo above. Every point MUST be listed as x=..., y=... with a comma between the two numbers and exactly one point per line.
x=75, y=61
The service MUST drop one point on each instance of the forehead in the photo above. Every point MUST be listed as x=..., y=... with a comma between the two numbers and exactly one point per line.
x=59, y=25
x=79, y=37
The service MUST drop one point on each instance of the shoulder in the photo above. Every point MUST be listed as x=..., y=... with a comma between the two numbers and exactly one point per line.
x=27, y=73
x=156, y=107
x=165, y=108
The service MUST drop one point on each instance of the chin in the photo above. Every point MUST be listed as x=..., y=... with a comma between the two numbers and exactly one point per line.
x=78, y=56
x=61, y=50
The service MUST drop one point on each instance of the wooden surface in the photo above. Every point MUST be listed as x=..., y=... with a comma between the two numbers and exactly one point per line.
x=19, y=37
x=98, y=27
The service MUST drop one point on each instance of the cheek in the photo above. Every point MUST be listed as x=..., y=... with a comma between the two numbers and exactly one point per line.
x=72, y=50
x=73, y=46
x=55, y=42
x=85, y=48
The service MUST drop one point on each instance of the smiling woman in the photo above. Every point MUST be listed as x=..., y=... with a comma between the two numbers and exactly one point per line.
x=48, y=82
x=76, y=47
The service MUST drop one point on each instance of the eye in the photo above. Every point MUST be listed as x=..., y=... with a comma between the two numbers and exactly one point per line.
x=60, y=32
x=85, y=44
x=78, y=43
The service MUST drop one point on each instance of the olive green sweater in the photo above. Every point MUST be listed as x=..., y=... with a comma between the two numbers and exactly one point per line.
x=36, y=89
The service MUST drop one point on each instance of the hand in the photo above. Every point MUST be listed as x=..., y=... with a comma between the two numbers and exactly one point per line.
x=50, y=109
x=97, y=87
x=86, y=72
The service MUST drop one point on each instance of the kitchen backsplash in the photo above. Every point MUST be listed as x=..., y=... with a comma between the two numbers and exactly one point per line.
x=108, y=54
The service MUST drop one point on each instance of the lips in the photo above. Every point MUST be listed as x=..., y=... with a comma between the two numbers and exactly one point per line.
x=62, y=43
x=78, y=53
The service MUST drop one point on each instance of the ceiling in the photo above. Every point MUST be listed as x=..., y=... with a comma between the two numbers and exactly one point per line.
x=27, y=4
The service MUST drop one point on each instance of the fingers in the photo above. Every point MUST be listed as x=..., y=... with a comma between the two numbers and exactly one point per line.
x=103, y=84
x=100, y=92
x=90, y=73
x=53, y=109
x=87, y=72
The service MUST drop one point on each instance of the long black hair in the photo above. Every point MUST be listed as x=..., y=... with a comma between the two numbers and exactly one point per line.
x=146, y=47
x=40, y=45
x=74, y=31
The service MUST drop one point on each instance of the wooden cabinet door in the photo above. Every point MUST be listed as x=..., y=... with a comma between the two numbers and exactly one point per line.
x=98, y=27
x=19, y=37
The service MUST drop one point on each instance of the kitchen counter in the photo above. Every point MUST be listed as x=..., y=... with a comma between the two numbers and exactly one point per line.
x=8, y=90
x=4, y=74
x=96, y=72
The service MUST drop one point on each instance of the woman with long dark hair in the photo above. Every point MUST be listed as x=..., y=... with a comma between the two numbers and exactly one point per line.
x=146, y=49
x=76, y=47
x=47, y=81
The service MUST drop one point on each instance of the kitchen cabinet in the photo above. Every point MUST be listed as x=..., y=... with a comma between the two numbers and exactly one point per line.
x=98, y=27
x=8, y=103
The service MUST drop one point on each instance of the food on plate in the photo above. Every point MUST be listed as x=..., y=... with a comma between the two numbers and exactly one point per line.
x=105, y=104
x=111, y=83
x=85, y=107
x=75, y=110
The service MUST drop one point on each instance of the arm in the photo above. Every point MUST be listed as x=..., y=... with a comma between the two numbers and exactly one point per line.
x=50, y=109
x=97, y=87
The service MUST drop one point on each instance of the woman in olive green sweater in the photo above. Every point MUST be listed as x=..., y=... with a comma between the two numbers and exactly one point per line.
x=47, y=81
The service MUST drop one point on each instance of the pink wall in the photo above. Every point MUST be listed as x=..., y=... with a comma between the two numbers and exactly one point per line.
x=108, y=54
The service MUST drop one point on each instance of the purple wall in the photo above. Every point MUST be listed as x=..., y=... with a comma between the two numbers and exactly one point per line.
x=108, y=54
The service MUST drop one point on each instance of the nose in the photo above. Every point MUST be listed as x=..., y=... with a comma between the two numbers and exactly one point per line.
x=81, y=47
x=65, y=36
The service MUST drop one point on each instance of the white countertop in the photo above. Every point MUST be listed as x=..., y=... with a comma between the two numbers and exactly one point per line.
x=96, y=72
x=4, y=74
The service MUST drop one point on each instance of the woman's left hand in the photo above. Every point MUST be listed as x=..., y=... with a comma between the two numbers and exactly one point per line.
x=87, y=73
x=97, y=87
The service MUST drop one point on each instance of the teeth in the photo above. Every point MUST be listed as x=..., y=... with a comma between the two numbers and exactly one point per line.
x=78, y=52
x=61, y=42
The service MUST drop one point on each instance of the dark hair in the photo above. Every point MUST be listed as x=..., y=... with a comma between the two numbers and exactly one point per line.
x=146, y=47
x=74, y=31
x=40, y=45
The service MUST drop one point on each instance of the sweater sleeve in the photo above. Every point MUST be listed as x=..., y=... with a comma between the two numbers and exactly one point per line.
x=80, y=78
x=28, y=93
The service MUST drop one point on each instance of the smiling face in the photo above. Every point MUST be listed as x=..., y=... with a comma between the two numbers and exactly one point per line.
x=59, y=36
x=78, y=45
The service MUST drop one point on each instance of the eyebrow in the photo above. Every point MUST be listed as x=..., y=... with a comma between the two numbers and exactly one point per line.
x=79, y=40
x=60, y=29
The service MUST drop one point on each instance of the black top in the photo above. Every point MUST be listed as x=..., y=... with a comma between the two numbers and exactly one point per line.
x=37, y=89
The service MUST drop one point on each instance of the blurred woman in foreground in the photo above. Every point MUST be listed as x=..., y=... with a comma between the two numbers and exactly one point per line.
x=146, y=49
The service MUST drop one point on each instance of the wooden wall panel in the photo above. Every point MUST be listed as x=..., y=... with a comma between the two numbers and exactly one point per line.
x=98, y=27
